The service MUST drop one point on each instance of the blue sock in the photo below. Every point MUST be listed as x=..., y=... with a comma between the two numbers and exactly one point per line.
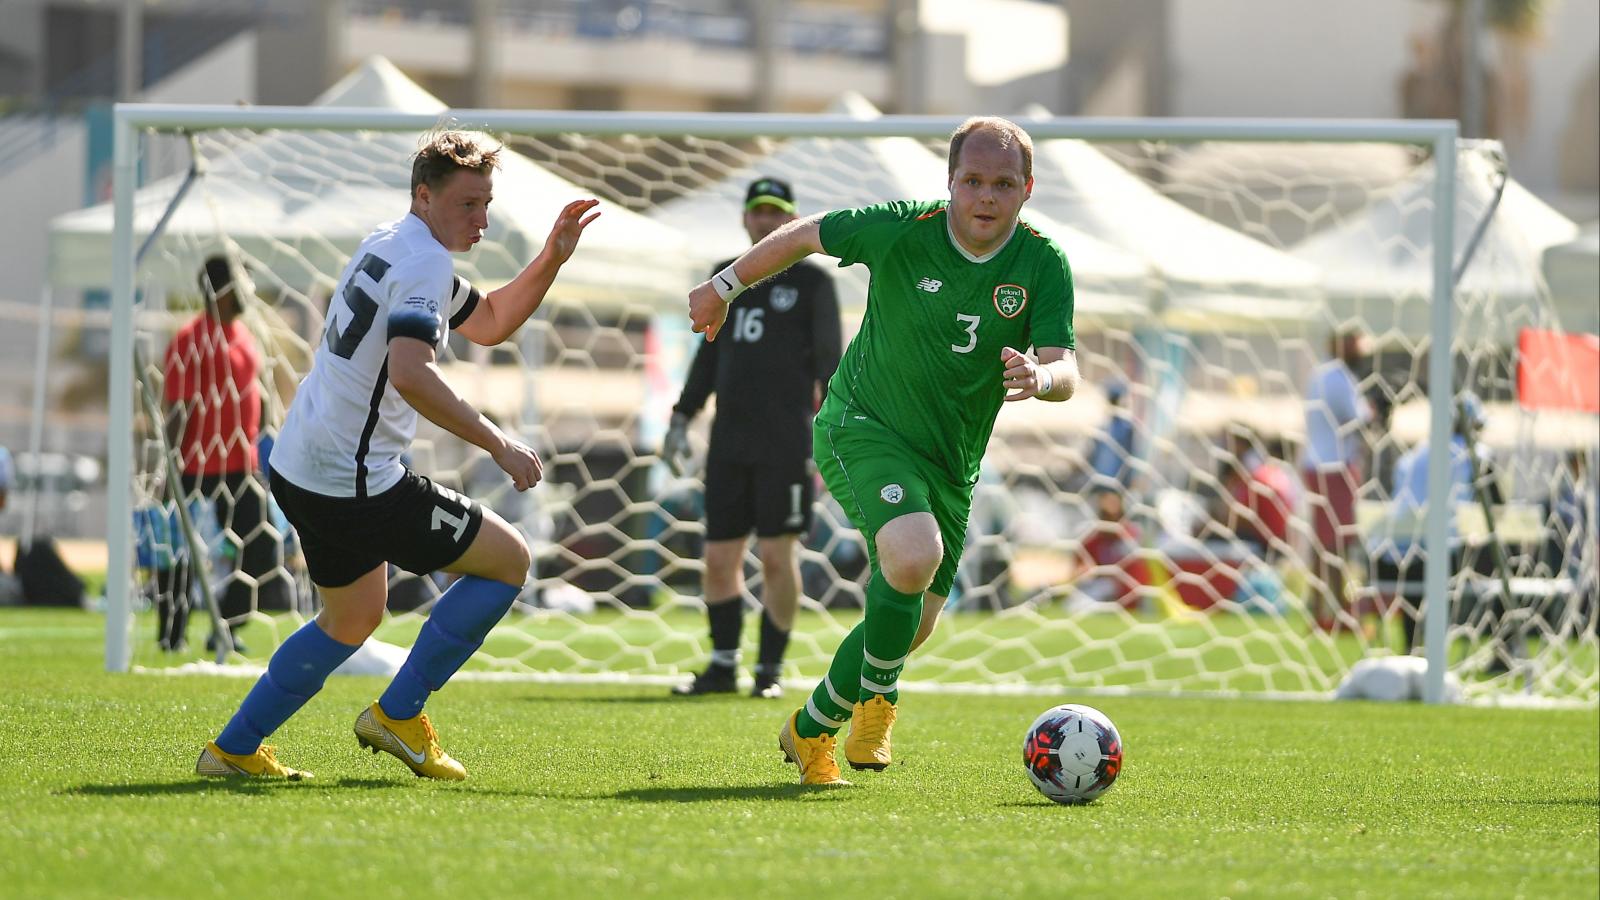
x=294, y=674
x=461, y=619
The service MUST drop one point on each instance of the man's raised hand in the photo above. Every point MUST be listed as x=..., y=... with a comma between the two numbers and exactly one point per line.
x=568, y=228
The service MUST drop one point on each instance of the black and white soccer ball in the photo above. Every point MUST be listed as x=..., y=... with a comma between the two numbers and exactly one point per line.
x=1073, y=753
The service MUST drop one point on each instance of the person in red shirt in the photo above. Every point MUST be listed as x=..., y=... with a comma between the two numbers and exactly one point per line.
x=1110, y=551
x=1262, y=493
x=213, y=401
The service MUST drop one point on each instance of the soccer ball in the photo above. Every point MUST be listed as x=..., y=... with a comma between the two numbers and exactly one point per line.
x=1073, y=753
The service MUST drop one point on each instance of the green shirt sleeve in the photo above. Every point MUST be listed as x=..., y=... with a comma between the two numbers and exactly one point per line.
x=1051, y=321
x=862, y=235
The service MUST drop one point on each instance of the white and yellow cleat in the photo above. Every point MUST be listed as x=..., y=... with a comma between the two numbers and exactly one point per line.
x=867, y=747
x=215, y=762
x=814, y=756
x=412, y=741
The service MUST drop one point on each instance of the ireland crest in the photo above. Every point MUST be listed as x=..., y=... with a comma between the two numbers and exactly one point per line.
x=784, y=297
x=1010, y=299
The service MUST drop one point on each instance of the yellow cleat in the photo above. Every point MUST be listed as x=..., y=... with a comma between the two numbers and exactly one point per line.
x=217, y=763
x=412, y=741
x=814, y=756
x=867, y=747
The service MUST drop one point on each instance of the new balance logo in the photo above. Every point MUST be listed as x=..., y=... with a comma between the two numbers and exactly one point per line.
x=931, y=285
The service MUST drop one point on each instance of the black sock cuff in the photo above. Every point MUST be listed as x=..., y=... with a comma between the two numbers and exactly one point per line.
x=726, y=618
x=774, y=641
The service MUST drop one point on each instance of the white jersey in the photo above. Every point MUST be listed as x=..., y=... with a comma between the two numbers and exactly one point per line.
x=347, y=426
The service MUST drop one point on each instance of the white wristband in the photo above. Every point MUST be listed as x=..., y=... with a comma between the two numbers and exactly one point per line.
x=727, y=284
x=1046, y=381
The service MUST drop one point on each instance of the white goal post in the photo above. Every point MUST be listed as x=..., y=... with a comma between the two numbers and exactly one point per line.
x=132, y=122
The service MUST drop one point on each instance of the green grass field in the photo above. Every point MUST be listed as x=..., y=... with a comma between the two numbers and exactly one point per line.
x=619, y=792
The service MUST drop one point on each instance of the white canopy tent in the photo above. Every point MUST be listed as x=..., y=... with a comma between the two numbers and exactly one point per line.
x=1211, y=276
x=833, y=173
x=1377, y=266
x=1572, y=271
x=298, y=203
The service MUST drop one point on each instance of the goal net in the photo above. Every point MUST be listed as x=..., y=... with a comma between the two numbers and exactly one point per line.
x=1161, y=532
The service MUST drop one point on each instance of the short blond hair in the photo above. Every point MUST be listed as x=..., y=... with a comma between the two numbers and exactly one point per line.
x=444, y=153
x=1005, y=130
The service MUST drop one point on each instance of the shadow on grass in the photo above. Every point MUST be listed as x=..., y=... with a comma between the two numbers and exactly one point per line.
x=1521, y=801
x=1042, y=803
x=730, y=792
x=644, y=699
x=256, y=786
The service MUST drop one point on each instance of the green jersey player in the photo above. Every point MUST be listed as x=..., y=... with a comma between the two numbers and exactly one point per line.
x=959, y=288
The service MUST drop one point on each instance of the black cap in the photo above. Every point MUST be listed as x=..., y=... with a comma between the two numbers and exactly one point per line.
x=771, y=191
x=215, y=277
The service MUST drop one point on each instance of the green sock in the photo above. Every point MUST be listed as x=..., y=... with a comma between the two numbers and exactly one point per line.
x=891, y=625
x=830, y=703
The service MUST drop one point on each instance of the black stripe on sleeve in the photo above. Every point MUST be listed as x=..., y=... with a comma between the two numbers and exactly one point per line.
x=411, y=322
x=371, y=426
x=467, y=306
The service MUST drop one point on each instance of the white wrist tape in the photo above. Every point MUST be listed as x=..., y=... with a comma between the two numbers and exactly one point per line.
x=727, y=284
x=1046, y=380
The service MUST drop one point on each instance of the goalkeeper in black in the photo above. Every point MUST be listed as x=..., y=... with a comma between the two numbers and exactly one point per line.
x=769, y=372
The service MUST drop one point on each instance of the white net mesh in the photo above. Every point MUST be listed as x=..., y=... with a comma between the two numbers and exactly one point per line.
x=1156, y=533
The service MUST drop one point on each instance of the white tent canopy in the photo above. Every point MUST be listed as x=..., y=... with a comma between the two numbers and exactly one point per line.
x=1573, y=272
x=1378, y=265
x=300, y=202
x=1210, y=273
x=832, y=173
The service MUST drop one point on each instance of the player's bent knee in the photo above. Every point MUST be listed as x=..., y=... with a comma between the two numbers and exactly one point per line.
x=350, y=626
x=910, y=570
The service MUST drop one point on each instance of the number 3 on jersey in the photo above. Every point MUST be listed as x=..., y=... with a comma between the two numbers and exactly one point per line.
x=970, y=325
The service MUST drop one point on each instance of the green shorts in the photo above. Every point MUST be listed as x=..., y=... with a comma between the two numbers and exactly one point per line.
x=876, y=478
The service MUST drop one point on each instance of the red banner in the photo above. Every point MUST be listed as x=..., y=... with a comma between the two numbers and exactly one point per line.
x=1558, y=371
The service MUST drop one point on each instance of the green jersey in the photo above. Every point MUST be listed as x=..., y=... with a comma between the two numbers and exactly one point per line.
x=926, y=362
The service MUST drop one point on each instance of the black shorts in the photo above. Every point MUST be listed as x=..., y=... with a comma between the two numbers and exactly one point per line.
x=417, y=525
x=774, y=498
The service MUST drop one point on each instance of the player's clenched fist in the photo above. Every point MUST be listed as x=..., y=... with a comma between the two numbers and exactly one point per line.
x=707, y=310
x=520, y=462
x=1021, y=375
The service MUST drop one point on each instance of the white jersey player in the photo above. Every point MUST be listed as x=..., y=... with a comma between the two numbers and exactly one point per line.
x=338, y=477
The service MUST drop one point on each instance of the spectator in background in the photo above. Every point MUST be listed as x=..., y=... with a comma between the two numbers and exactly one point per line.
x=1566, y=513
x=1111, y=459
x=213, y=401
x=1110, y=553
x=1261, y=494
x=1396, y=550
x=1335, y=413
x=6, y=475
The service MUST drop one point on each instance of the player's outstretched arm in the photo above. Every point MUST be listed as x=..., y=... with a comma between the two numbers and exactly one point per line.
x=503, y=311
x=708, y=302
x=414, y=373
x=1054, y=377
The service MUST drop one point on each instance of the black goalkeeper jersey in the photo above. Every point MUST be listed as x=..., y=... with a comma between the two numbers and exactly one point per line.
x=781, y=338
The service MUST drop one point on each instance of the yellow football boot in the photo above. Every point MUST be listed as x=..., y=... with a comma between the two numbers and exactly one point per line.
x=412, y=741
x=814, y=756
x=217, y=763
x=867, y=747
